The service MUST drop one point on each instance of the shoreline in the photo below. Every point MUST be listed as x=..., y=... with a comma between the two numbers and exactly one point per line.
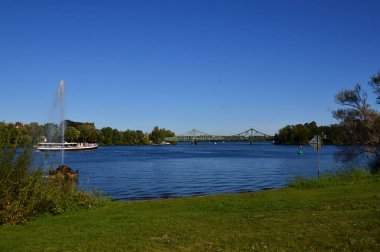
x=325, y=216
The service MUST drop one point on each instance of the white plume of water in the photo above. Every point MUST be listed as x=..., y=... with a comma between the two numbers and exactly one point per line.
x=61, y=100
x=56, y=128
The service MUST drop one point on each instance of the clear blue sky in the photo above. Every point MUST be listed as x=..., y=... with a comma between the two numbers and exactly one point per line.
x=219, y=66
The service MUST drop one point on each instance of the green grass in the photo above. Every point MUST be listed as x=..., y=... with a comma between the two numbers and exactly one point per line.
x=342, y=216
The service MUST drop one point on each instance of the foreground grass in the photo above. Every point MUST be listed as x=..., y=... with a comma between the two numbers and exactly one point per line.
x=331, y=217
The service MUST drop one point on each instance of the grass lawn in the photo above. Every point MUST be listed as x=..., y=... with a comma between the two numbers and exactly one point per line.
x=333, y=217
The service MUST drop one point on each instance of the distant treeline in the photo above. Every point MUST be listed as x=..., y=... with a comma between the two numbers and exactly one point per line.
x=87, y=132
x=302, y=133
x=81, y=132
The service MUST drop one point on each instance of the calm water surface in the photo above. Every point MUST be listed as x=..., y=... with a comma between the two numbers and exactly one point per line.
x=146, y=172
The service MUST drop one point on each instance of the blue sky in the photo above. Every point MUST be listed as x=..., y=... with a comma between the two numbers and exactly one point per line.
x=219, y=66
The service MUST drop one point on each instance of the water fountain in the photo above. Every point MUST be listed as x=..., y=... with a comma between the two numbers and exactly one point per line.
x=61, y=100
x=63, y=176
x=56, y=129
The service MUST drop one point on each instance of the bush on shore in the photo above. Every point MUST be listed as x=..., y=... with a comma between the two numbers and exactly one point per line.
x=25, y=191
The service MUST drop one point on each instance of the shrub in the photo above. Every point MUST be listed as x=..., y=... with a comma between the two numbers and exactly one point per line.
x=25, y=191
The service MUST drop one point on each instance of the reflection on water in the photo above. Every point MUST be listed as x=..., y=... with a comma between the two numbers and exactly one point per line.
x=145, y=172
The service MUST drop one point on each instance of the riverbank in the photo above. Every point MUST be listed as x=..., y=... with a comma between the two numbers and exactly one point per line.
x=328, y=216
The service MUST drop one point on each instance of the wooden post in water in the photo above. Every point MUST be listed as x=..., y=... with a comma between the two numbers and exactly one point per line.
x=316, y=143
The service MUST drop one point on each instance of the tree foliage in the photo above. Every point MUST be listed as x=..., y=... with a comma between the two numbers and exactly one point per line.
x=82, y=132
x=360, y=121
x=158, y=135
x=72, y=134
x=302, y=133
x=375, y=84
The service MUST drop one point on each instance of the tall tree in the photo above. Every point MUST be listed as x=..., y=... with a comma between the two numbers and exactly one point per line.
x=72, y=134
x=158, y=135
x=88, y=132
x=361, y=122
x=375, y=84
x=106, y=136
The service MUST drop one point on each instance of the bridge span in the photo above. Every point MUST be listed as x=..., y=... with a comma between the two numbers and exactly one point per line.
x=194, y=136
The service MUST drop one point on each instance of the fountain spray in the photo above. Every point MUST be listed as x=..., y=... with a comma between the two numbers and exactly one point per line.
x=61, y=99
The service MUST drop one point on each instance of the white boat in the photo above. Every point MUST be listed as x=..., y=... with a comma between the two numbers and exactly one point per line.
x=66, y=146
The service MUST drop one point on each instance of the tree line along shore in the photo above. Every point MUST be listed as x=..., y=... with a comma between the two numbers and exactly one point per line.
x=33, y=133
x=87, y=132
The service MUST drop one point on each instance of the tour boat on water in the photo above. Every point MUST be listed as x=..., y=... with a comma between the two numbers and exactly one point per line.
x=66, y=146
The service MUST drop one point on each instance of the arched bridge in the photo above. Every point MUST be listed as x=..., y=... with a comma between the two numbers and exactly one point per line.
x=195, y=135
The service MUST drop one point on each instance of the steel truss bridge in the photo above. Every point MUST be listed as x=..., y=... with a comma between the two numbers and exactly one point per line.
x=195, y=136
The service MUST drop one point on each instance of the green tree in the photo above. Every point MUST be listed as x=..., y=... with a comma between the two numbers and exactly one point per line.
x=72, y=134
x=130, y=137
x=142, y=138
x=88, y=132
x=302, y=133
x=334, y=135
x=106, y=136
x=34, y=131
x=158, y=135
x=361, y=122
x=285, y=136
x=117, y=137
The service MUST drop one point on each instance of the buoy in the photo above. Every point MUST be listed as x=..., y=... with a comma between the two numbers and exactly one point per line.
x=300, y=152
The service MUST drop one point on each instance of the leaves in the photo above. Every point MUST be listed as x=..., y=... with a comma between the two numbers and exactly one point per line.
x=356, y=98
x=375, y=84
x=158, y=135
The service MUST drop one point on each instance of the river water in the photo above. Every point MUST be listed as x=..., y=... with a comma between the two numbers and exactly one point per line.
x=151, y=172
